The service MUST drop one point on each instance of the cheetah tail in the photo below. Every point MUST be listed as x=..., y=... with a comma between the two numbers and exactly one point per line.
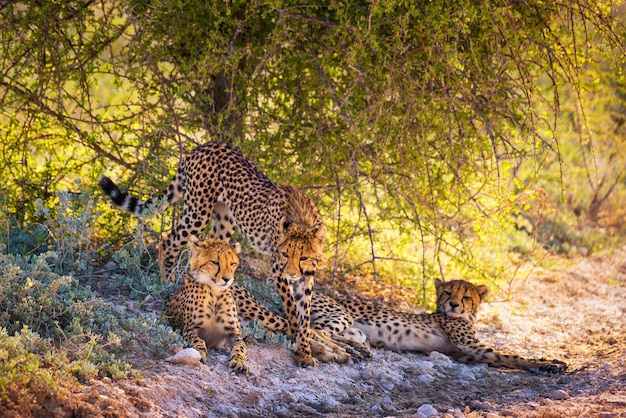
x=133, y=204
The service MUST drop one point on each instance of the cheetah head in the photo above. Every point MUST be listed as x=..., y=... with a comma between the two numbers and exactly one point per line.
x=299, y=249
x=459, y=299
x=213, y=262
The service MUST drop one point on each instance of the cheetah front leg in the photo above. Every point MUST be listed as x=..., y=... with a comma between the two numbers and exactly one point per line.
x=322, y=347
x=190, y=335
x=298, y=312
x=470, y=350
x=238, y=357
x=250, y=308
x=238, y=353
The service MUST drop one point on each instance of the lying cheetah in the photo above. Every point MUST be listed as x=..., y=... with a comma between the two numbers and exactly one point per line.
x=204, y=308
x=222, y=185
x=450, y=330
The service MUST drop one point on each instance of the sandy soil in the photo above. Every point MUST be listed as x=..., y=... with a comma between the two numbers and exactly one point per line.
x=577, y=314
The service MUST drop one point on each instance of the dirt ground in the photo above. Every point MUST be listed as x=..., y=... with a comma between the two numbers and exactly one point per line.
x=576, y=314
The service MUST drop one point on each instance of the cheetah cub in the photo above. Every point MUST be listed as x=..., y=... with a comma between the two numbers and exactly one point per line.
x=204, y=308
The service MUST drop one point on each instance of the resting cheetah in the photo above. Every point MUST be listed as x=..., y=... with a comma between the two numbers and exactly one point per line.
x=204, y=308
x=450, y=330
x=222, y=185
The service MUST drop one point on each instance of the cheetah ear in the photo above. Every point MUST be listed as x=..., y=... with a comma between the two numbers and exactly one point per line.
x=285, y=224
x=483, y=291
x=237, y=247
x=320, y=232
x=438, y=284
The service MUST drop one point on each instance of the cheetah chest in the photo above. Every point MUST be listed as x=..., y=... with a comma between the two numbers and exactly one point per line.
x=213, y=316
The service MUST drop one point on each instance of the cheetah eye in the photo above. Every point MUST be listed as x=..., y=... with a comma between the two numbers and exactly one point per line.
x=285, y=254
x=216, y=262
x=303, y=258
x=467, y=297
x=447, y=293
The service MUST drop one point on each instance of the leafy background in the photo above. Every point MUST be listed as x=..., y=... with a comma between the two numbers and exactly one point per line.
x=466, y=139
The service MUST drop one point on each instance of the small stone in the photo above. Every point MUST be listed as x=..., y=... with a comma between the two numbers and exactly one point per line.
x=186, y=356
x=426, y=411
x=426, y=378
x=560, y=395
x=376, y=409
x=476, y=404
x=439, y=357
x=386, y=400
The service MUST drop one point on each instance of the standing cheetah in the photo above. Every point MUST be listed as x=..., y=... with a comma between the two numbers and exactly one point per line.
x=220, y=184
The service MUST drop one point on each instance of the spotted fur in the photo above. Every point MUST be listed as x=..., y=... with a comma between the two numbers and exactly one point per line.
x=450, y=330
x=204, y=308
x=223, y=186
x=334, y=338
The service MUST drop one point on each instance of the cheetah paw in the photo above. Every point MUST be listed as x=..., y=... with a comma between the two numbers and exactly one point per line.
x=239, y=366
x=306, y=360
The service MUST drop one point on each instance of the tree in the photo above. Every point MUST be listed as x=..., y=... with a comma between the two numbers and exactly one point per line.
x=396, y=115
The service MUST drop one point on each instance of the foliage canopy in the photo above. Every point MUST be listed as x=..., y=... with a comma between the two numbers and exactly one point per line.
x=405, y=119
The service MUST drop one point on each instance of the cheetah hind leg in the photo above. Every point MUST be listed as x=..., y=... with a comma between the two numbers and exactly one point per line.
x=338, y=347
x=336, y=324
x=355, y=339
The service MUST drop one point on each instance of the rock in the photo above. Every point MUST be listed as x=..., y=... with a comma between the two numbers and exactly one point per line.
x=560, y=395
x=426, y=411
x=439, y=357
x=426, y=378
x=476, y=404
x=376, y=409
x=186, y=356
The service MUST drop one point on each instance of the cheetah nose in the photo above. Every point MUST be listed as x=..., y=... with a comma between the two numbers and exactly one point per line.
x=454, y=305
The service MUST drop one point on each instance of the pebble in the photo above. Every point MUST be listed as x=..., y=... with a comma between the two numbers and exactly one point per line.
x=187, y=355
x=438, y=357
x=426, y=378
x=386, y=400
x=476, y=404
x=560, y=395
x=376, y=409
x=426, y=411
